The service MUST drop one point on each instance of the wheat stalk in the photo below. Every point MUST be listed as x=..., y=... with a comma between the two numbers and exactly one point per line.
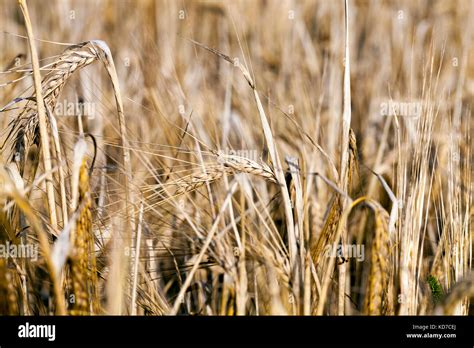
x=41, y=116
x=225, y=164
x=82, y=259
x=379, y=295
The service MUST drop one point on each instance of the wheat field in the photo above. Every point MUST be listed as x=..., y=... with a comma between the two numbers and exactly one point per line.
x=193, y=157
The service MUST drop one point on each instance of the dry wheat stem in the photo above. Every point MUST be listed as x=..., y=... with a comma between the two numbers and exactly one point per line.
x=41, y=116
x=207, y=242
x=11, y=190
x=225, y=164
x=274, y=157
x=133, y=301
x=346, y=128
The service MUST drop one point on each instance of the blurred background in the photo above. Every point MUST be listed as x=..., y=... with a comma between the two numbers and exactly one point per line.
x=410, y=53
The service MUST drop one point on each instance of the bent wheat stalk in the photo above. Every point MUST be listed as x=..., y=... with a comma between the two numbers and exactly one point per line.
x=25, y=129
x=225, y=164
x=273, y=152
x=41, y=115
